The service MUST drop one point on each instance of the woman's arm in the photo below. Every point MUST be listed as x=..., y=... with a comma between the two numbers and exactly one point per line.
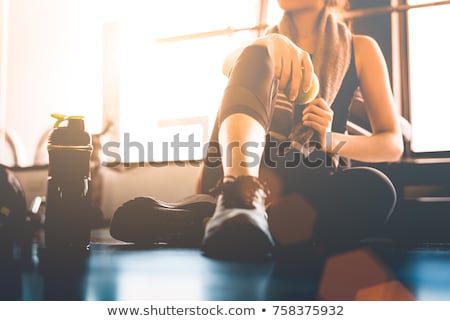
x=386, y=143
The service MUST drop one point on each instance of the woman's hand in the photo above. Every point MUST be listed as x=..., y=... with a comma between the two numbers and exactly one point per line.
x=290, y=62
x=319, y=116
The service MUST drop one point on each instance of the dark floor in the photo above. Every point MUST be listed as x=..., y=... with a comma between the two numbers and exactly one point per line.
x=119, y=271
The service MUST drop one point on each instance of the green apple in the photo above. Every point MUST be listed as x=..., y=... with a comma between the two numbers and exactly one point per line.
x=304, y=98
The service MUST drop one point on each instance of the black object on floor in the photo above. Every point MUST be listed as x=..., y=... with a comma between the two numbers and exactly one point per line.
x=146, y=220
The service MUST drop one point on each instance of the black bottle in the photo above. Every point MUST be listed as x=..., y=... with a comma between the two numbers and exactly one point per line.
x=67, y=207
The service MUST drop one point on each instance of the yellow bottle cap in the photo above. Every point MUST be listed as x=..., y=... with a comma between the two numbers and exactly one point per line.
x=60, y=118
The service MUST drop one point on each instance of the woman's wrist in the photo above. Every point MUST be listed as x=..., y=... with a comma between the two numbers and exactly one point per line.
x=333, y=143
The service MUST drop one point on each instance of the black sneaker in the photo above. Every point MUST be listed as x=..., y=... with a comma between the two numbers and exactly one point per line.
x=146, y=221
x=239, y=227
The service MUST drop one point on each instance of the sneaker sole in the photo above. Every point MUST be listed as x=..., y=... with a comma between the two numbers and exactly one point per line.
x=146, y=220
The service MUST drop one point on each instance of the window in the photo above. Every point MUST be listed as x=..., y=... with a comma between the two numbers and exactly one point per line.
x=171, y=80
x=429, y=69
x=274, y=12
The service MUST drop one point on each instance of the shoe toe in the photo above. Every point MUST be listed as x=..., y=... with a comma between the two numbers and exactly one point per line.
x=239, y=237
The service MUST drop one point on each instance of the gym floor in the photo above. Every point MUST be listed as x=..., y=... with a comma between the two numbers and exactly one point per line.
x=116, y=271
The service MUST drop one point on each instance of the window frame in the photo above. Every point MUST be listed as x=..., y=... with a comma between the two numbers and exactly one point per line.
x=406, y=78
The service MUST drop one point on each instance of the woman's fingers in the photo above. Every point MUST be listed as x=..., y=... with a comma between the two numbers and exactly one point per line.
x=318, y=103
x=316, y=119
x=295, y=79
x=276, y=61
x=292, y=65
x=285, y=73
x=301, y=73
x=308, y=71
x=279, y=59
x=325, y=113
x=319, y=116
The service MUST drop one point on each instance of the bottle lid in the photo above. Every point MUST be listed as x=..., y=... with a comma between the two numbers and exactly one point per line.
x=72, y=136
x=60, y=118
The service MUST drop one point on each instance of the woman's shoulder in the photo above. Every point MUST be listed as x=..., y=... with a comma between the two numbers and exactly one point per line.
x=366, y=50
x=364, y=42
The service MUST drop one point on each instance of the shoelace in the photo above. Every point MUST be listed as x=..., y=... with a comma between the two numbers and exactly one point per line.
x=240, y=192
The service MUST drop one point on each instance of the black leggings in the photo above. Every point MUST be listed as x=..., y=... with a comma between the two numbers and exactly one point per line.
x=251, y=87
x=350, y=202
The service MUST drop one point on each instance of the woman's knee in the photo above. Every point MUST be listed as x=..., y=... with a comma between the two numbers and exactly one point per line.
x=251, y=87
x=371, y=186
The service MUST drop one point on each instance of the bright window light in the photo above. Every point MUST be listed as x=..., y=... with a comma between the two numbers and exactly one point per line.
x=274, y=12
x=170, y=91
x=429, y=64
